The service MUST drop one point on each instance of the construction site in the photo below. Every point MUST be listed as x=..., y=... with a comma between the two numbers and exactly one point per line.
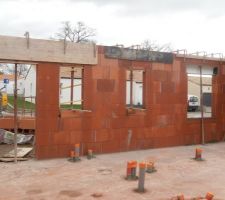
x=85, y=121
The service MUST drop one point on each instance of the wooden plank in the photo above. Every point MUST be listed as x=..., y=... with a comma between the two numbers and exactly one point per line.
x=16, y=49
x=21, y=152
x=12, y=159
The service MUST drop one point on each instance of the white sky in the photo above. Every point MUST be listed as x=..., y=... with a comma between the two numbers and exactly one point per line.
x=196, y=25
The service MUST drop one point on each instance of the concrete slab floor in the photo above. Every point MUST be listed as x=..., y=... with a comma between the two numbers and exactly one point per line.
x=59, y=179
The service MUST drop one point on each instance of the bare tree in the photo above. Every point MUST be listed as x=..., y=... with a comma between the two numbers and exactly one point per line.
x=10, y=69
x=153, y=46
x=79, y=33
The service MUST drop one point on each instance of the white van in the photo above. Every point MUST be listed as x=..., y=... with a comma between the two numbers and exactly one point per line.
x=193, y=103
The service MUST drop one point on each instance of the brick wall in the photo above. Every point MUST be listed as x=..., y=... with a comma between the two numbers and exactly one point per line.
x=109, y=127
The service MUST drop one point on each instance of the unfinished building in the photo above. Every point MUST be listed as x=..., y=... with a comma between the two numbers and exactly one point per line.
x=111, y=114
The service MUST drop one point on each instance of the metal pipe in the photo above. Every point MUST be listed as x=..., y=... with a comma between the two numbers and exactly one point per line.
x=15, y=116
x=131, y=88
x=143, y=89
x=201, y=107
x=73, y=101
x=141, y=180
x=72, y=84
x=27, y=35
x=23, y=111
x=82, y=88
x=31, y=111
x=75, y=85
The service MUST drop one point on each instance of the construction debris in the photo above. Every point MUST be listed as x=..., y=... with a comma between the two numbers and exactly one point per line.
x=12, y=159
x=97, y=195
x=105, y=171
x=150, y=167
x=7, y=137
x=21, y=152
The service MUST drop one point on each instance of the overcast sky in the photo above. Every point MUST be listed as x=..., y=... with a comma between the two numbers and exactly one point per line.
x=195, y=25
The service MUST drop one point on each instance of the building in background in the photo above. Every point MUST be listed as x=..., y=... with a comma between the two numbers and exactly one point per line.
x=7, y=83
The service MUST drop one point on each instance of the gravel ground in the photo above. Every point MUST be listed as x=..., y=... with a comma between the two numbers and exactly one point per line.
x=103, y=177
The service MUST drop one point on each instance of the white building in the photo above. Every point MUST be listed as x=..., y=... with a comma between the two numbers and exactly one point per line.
x=9, y=84
x=64, y=89
x=137, y=93
x=30, y=84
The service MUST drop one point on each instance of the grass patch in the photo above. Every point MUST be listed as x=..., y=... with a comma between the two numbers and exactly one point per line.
x=68, y=106
x=21, y=103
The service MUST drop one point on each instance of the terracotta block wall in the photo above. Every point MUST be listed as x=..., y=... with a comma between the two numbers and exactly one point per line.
x=109, y=127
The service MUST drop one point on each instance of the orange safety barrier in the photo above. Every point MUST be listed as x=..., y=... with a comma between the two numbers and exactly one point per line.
x=150, y=165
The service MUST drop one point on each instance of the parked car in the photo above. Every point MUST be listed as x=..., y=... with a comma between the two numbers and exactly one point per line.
x=193, y=103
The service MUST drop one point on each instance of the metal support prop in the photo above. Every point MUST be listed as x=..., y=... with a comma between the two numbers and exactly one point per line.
x=72, y=85
x=77, y=152
x=15, y=116
x=141, y=180
x=27, y=35
x=82, y=87
x=201, y=107
x=64, y=46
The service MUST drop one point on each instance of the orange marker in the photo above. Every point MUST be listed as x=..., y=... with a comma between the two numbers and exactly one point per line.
x=72, y=154
x=209, y=196
x=180, y=197
x=198, y=153
x=134, y=169
x=129, y=167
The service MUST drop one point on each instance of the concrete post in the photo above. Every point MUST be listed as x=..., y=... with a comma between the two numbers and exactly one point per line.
x=141, y=180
